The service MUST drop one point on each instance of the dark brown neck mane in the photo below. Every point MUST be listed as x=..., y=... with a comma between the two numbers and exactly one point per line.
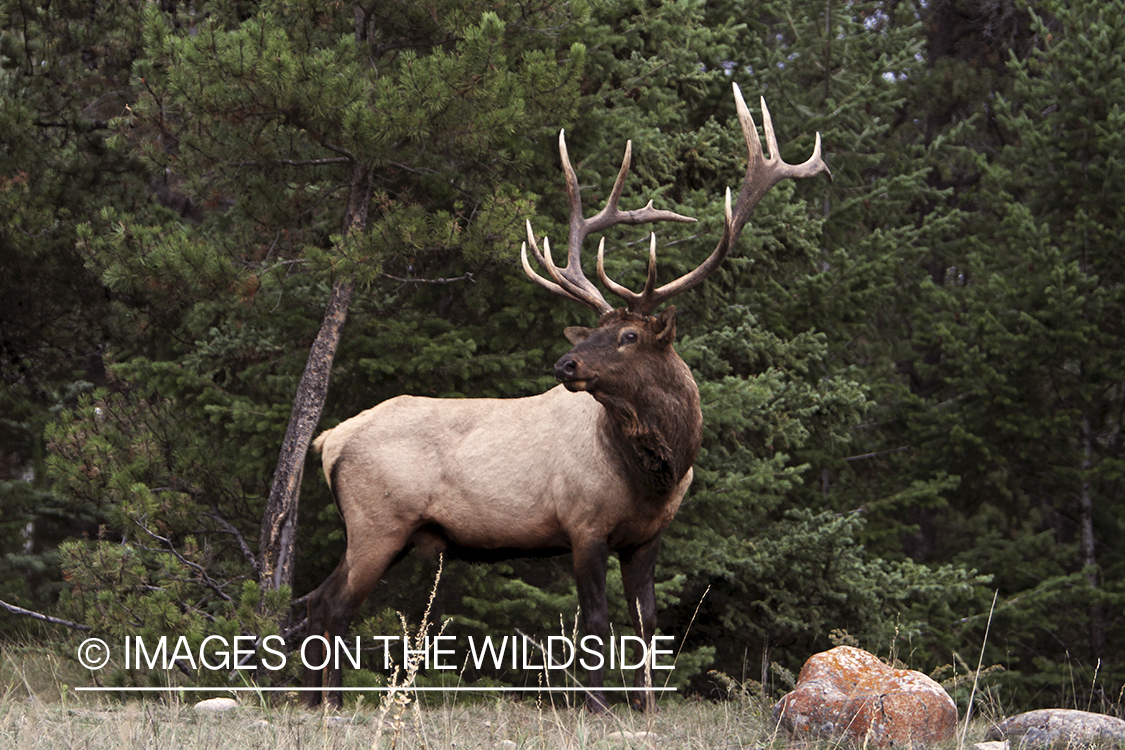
x=657, y=430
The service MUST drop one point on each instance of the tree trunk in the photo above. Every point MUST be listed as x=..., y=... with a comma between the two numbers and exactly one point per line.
x=279, y=522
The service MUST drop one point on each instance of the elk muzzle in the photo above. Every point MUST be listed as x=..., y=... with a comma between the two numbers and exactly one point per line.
x=570, y=372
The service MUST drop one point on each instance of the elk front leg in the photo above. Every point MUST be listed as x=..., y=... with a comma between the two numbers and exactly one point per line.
x=638, y=577
x=589, y=573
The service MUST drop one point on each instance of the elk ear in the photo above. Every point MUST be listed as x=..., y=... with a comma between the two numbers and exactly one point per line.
x=665, y=326
x=577, y=334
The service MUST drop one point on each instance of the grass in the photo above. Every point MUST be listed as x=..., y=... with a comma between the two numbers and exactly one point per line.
x=500, y=723
x=38, y=710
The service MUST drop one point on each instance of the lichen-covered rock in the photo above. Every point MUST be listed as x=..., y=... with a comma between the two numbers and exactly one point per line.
x=1059, y=727
x=848, y=694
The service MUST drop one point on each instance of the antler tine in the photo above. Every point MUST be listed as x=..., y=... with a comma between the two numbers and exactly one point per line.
x=548, y=285
x=761, y=175
x=631, y=298
x=562, y=286
x=767, y=125
x=605, y=218
x=812, y=165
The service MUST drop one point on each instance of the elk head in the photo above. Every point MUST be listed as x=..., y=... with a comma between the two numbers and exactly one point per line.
x=624, y=336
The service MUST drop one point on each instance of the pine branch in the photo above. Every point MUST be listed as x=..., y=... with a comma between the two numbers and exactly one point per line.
x=205, y=579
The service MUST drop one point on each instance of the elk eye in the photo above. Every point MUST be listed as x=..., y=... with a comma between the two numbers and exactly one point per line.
x=629, y=337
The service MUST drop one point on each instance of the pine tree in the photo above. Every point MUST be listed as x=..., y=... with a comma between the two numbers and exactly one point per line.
x=795, y=506
x=63, y=75
x=331, y=98
x=1031, y=369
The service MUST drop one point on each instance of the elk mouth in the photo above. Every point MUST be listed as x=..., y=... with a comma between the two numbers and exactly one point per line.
x=579, y=384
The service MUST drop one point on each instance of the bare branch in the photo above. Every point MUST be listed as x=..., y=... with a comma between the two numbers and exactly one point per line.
x=205, y=579
x=465, y=277
x=228, y=527
x=294, y=162
x=43, y=618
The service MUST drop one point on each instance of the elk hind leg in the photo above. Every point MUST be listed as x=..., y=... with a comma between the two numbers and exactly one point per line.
x=330, y=610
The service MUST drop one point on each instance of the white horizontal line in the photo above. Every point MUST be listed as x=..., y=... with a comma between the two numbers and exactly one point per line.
x=366, y=689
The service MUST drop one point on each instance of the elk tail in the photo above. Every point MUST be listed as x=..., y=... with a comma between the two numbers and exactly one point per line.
x=329, y=462
x=318, y=441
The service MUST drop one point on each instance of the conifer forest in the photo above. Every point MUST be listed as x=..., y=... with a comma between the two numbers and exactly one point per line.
x=227, y=225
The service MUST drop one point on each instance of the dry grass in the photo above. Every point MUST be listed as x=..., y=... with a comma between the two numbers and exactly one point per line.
x=37, y=710
x=500, y=723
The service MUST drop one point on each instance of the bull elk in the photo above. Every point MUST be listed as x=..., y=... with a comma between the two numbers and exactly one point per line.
x=598, y=464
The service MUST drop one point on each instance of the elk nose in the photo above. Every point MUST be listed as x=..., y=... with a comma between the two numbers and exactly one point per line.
x=565, y=368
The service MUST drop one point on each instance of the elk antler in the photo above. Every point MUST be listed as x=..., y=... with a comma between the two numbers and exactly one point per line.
x=571, y=282
x=761, y=175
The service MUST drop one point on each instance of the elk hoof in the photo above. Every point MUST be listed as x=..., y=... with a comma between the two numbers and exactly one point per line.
x=596, y=703
x=645, y=703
